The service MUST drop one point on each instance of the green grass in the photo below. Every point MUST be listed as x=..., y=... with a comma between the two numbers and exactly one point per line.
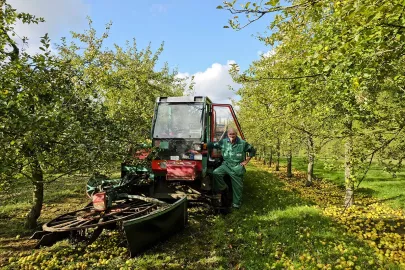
x=60, y=196
x=377, y=183
x=15, y=202
x=274, y=228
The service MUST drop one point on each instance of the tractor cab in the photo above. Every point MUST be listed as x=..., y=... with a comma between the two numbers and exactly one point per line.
x=181, y=129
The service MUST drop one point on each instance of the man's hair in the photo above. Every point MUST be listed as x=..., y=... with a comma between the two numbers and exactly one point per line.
x=232, y=129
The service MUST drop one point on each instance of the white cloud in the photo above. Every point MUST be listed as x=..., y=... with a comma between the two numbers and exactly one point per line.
x=61, y=16
x=214, y=82
x=266, y=54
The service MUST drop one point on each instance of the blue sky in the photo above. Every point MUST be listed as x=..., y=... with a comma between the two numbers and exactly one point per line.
x=195, y=40
x=192, y=30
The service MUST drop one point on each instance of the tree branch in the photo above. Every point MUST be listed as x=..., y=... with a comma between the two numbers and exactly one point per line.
x=393, y=25
x=244, y=79
x=250, y=22
x=14, y=54
x=269, y=10
x=64, y=174
x=375, y=151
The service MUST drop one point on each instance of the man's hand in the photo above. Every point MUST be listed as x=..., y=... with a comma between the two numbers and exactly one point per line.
x=244, y=163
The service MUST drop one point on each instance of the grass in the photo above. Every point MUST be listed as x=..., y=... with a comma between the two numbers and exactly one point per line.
x=15, y=202
x=59, y=196
x=377, y=183
x=277, y=227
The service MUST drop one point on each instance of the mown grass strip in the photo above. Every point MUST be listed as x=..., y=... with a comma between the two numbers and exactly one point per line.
x=370, y=220
x=379, y=183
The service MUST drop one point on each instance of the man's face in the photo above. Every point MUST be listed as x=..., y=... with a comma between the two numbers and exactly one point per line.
x=232, y=135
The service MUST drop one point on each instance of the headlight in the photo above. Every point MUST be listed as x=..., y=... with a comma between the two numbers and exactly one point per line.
x=162, y=165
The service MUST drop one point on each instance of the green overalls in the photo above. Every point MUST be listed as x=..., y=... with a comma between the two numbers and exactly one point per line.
x=233, y=155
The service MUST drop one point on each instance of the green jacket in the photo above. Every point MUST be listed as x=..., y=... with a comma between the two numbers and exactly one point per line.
x=233, y=154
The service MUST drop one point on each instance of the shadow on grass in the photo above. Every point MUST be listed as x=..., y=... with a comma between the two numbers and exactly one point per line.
x=271, y=222
x=368, y=192
x=398, y=198
x=371, y=192
x=13, y=227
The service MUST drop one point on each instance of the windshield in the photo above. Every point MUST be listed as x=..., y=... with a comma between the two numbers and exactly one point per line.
x=178, y=121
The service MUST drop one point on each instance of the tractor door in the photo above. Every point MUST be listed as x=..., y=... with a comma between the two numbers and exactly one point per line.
x=223, y=117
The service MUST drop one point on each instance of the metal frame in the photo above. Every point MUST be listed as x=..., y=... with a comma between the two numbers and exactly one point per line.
x=233, y=115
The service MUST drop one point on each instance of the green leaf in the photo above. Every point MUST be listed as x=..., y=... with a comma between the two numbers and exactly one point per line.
x=272, y=3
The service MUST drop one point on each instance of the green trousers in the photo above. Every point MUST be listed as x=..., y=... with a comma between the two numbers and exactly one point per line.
x=236, y=173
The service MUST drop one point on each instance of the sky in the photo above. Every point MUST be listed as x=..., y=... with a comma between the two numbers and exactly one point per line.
x=195, y=41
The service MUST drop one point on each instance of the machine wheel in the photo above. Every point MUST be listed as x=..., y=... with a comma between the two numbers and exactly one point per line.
x=129, y=215
x=88, y=217
x=85, y=235
x=86, y=224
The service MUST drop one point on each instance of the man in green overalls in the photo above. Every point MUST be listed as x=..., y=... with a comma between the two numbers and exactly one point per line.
x=234, y=151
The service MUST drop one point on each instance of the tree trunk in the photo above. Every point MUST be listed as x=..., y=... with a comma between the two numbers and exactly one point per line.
x=278, y=155
x=38, y=196
x=260, y=154
x=289, y=158
x=289, y=164
x=311, y=159
x=264, y=156
x=271, y=157
x=349, y=183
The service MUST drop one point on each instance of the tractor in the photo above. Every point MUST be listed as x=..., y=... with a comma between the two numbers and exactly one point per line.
x=181, y=129
x=149, y=203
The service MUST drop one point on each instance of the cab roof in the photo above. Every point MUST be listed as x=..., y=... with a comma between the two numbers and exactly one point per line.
x=183, y=99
